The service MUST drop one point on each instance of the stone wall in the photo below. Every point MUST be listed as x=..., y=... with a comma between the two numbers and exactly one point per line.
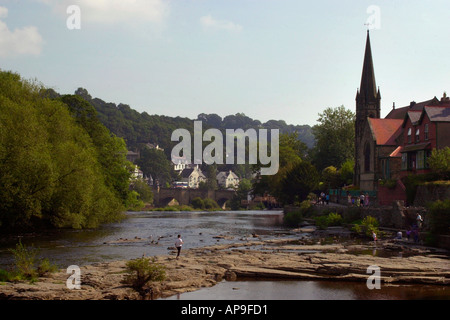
x=431, y=192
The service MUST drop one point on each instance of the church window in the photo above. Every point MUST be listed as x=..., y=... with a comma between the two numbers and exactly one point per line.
x=367, y=158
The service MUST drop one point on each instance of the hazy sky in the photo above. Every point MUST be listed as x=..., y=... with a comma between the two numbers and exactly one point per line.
x=270, y=59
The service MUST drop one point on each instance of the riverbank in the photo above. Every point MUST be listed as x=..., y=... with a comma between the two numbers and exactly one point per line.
x=287, y=259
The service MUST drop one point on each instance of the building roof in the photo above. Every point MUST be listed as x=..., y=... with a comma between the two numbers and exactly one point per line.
x=385, y=131
x=186, y=173
x=400, y=113
x=416, y=147
x=225, y=174
x=414, y=116
x=397, y=153
x=438, y=114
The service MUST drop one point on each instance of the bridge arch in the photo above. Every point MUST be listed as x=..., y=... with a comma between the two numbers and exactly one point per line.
x=163, y=196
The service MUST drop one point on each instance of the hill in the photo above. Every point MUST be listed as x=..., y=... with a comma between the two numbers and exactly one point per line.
x=138, y=128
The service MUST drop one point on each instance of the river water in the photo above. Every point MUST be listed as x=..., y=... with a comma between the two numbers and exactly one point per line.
x=154, y=233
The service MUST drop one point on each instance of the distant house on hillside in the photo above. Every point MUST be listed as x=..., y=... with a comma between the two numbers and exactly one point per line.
x=181, y=163
x=154, y=146
x=132, y=156
x=227, y=179
x=137, y=173
x=192, y=177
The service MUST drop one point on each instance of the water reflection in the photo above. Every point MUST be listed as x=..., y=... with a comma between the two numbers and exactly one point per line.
x=312, y=290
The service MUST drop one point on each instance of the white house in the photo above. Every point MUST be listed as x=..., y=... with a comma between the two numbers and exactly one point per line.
x=180, y=163
x=137, y=173
x=227, y=179
x=193, y=177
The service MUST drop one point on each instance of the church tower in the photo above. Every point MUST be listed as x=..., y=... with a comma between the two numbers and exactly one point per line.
x=368, y=100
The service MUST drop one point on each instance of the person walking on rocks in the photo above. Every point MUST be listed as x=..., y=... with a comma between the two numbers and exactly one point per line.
x=419, y=221
x=178, y=244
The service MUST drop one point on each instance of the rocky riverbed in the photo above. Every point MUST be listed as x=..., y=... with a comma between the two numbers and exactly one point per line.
x=287, y=259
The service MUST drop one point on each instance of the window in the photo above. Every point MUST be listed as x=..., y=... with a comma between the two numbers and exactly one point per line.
x=409, y=135
x=420, y=159
x=417, y=135
x=426, y=131
x=404, y=161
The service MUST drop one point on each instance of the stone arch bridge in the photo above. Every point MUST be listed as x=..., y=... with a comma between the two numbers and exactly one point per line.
x=164, y=196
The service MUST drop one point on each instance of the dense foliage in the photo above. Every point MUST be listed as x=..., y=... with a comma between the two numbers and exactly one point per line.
x=59, y=166
x=439, y=162
x=439, y=217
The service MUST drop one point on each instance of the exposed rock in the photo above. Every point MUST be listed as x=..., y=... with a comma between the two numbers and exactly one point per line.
x=204, y=267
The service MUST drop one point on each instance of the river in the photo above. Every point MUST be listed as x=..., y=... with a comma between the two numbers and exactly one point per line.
x=154, y=233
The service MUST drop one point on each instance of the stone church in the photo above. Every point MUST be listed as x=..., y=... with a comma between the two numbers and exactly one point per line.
x=399, y=144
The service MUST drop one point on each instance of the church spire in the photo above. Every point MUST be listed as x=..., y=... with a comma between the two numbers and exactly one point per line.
x=368, y=89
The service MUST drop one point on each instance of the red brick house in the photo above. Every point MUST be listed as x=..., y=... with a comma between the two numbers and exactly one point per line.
x=422, y=132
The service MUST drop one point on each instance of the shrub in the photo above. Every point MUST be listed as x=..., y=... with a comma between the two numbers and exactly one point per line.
x=198, y=203
x=25, y=259
x=321, y=222
x=26, y=265
x=46, y=267
x=332, y=219
x=210, y=204
x=307, y=209
x=5, y=276
x=368, y=225
x=439, y=162
x=143, y=270
x=439, y=217
x=293, y=218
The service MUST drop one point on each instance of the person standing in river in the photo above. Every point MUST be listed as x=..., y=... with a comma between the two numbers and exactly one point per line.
x=178, y=244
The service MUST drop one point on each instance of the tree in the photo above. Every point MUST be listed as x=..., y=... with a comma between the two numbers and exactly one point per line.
x=439, y=162
x=143, y=189
x=330, y=178
x=335, y=138
x=291, y=151
x=298, y=182
x=110, y=150
x=346, y=172
x=50, y=173
x=211, y=174
x=155, y=163
x=245, y=186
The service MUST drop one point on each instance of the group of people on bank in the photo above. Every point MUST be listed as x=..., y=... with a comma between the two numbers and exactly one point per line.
x=359, y=201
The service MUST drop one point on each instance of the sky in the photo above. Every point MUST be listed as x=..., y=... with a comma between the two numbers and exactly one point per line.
x=269, y=59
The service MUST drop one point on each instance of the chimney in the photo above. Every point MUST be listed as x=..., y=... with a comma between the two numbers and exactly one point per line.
x=393, y=106
x=412, y=104
x=445, y=98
